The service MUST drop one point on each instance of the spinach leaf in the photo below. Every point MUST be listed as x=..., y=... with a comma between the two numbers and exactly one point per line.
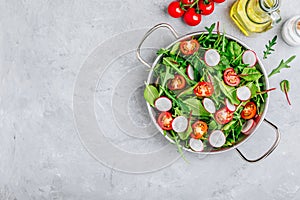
x=250, y=74
x=196, y=107
x=175, y=48
x=166, y=77
x=150, y=94
x=233, y=49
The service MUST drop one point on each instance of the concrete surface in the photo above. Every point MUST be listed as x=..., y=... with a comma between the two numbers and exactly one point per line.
x=45, y=44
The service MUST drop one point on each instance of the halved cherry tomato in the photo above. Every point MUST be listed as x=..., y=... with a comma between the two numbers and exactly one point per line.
x=219, y=1
x=175, y=10
x=191, y=17
x=199, y=129
x=249, y=110
x=206, y=7
x=230, y=77
x=177, y=83
x=204, y=89
x=164, y=120
x=223, y=116
x=188, y=2
x=189, y=47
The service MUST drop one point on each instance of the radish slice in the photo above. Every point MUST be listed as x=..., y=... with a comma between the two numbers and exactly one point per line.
x=243, y=93
x=163, y=104
x=212, y=57
x=209, y=105
x=190, y=72
x=229, y=105
x=249, y=57
x=248, y=126
x=196, y=145
x=217, y=138
x=180, y=124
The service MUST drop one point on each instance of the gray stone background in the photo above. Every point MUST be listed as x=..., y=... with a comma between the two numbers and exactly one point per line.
x=43, y=46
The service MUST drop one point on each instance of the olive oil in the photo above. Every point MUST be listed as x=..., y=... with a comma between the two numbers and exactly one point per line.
x=255, y=16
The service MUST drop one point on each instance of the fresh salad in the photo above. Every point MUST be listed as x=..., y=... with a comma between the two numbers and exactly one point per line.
x=207, y=92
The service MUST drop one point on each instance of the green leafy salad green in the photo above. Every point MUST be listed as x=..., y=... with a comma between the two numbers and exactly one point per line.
x=207, y=91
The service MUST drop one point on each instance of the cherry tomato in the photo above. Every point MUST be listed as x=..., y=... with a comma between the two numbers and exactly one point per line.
x=189, y=47
x=164, y=120
x=188, y=2
x=230, y=77
x=218, y=1
x=175, y=10
x=204, y=89
x=249, y=110
x=223, y=116
x=192, y=18
x=206, y=7
x=177, y=83
x=199, y=129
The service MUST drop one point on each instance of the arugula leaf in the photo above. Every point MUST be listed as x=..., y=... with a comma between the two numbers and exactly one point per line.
x=168, y=61
x=269, y=46
x=283, y=64
x=162, y=51
x=285, y=87
x=150, y=94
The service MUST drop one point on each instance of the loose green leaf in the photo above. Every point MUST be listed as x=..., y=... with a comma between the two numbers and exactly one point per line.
x=283, y=64
x=269, y=47
x=150, y=94
x=285, y=87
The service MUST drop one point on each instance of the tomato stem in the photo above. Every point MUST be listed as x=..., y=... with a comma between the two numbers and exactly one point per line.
x=286, y=94
x=196, y=2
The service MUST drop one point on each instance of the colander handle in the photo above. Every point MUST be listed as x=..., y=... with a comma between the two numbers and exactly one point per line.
x=272, y=148
x=158, y=26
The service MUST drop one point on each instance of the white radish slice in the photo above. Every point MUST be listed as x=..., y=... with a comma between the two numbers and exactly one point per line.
x=209, y=105
x=248, y=126
x=163, y=104
x=196, y=145
x=243, y=93
x=229, y=105
x=211, y=57
x=249, y=57
x=217, y=138
x=180, y=124
x=190, y=72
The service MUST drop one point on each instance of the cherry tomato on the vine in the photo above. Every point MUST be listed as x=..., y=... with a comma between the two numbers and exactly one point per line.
x=188, y=2
x=191, y=17
x=219, y=1
x=206, y=7
x=175, y=10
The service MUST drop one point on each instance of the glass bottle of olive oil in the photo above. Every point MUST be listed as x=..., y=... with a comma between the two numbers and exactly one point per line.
x=255, y=16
